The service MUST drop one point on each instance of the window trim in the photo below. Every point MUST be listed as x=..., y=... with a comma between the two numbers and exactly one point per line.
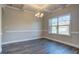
x=50, y=32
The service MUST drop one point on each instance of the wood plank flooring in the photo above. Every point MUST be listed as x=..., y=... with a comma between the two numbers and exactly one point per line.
x=39, y=46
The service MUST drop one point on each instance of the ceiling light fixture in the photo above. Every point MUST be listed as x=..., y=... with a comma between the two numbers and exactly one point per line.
x=39, y=14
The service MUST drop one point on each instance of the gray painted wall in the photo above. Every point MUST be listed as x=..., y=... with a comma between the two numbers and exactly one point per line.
x=73, y=39
x=19, y=26
x=23, y=26
x=0, y=28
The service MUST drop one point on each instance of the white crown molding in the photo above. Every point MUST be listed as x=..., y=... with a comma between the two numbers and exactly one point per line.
x=2, y=5
x=44, y=10
x=20, y=9
x=60, y=7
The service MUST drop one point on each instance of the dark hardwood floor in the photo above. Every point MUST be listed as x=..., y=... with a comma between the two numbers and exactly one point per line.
x=40, y=46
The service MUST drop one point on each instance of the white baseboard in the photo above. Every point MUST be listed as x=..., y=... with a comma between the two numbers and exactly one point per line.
x=67, y=43
x=20, y=40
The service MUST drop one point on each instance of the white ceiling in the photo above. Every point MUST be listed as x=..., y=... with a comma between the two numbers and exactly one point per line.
x=38, y=7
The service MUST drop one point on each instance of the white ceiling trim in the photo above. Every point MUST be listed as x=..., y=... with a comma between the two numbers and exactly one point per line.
x=45, y=9
x=18, y=9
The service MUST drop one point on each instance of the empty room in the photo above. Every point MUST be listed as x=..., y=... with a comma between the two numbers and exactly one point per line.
x=39, y=28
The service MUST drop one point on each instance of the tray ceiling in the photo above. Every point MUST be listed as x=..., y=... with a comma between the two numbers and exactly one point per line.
x=38, y=7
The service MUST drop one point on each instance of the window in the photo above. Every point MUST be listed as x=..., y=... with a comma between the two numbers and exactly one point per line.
x=60, y=25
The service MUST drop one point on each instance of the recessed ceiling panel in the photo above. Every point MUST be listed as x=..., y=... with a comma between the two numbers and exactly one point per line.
x=38, y=7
